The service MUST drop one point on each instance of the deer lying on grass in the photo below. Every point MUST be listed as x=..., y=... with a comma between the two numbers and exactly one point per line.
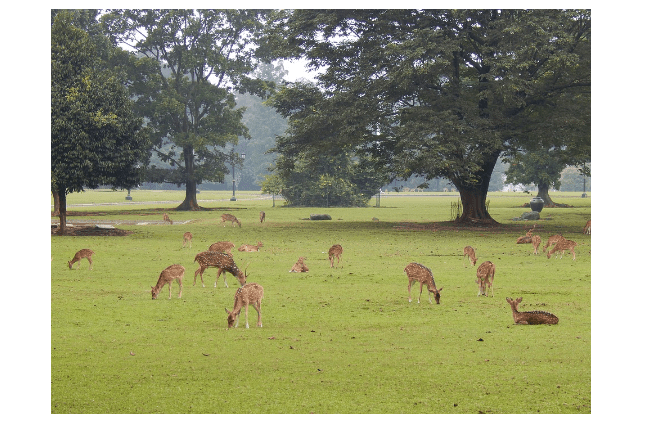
x=418, y=272
x=188, y=238
x=166, y=218
x=531, y=317
x=560, y=246
x=587, y=228
x=530, y=239
x=167, y=276
x=224, y=263
x=336, y=251
x=300, y=266
x=262, y=216
x=84, y=253
x=252, y=294
x=553, y=239
x=251, y=248
x=222, y=247
x=230, y=218
x=485, y=277
x=470, y=252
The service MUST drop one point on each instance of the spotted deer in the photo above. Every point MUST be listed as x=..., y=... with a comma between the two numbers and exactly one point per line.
x=188, y=238
x=222, y=247
x=531, y=317
x=166, y=218
x=335, y=252
x=262, y=216
x=536, y=240
x=300, y=266
x=420, y=273
x=251, y=248
x=230, y=218
x=470, y=253
x=587, y=229
x=84, y=253
x=553, y=239
x=167, y=276
x=252, y=294
x=562, y=245
x=485, y=277
x=224, y=263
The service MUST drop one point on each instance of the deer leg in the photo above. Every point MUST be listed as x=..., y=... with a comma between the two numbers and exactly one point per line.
x=420, y=292
x=246, y=315
x=181, y=285
x=195, y=279
x=258, y=308
x=574, y=254
x=219, y=272
x=410, y=283
x=88, y=259
x=170, y=289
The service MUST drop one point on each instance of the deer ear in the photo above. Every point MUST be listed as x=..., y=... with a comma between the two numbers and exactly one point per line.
x=440, y=289
x=227, y=310
x=519, y=300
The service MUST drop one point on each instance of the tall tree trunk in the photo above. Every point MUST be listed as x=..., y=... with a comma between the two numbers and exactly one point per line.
x=190, y=202
x=62, y=211
x=56, y=202
x=543, y=193
x=473, y=196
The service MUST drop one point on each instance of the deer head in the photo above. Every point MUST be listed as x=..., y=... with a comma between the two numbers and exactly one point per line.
x=154, y=294
x=437, y=294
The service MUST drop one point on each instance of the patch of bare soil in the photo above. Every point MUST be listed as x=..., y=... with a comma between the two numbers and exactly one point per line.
x=90, y=231
x=550, y=206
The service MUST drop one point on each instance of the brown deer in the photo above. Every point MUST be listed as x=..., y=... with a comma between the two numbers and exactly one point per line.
x=562, y=245
x=485, y=271
x=167, y=276
x=166, y=218
x=262, y=216
x=300, y=266
x=336, y=251
x=531, y=317
x=252, y=294
x=230, y=218
x=188, y=238
x=224, y=263
x=587, y=228
x=418, y=272
x=553, y=239
x=222, y=247
x=470, y=252
x=536, y=240
x=84, y=253
x=251, y=248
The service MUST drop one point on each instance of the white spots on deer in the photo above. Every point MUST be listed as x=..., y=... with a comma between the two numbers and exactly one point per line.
x=84, y=253
x=420, y=273
x=252, y=294
x=167, y=276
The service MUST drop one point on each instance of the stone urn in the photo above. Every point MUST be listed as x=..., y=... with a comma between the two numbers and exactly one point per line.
x=537, y=204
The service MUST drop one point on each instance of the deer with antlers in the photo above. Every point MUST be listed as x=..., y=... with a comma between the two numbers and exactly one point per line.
x=188, y=238
x=251, y=248
x=420, y=273
x=262, y=216
x=84, y=253
x=300, y=266
x=335, y=252
x=166, y=218
x=224, y=263
x=470, y=253
x=230, y=218
x=167, y=276
x=531, y=317
x=252, y=294
x=553, y=239
x=560, y=246
x=485, y=277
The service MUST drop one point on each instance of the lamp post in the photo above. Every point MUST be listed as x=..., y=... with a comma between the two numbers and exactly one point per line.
x=242, y=156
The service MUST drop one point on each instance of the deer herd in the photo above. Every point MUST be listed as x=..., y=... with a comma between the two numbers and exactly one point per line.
x=219, y=255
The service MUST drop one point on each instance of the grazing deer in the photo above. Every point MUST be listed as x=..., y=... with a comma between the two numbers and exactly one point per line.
x=300, y=266
x=470, y=252
x=262, y=216
x=188, y=238
x=562, y=245
x=230, y=218
x=587, y=228
x=418, y=272
x=224, y=263
x=251, y=248
x=84, y=253
x=553, y=239
x=167, y=276
x=485, y=271
x=336, y=251
x=166, y=218
x=251, y=293
x=222, y=247
x=531, y=317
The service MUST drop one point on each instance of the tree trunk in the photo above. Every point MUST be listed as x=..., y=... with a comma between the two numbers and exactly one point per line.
x=56, y=202
x=543, y=193
x=62, y=211
x=473, y=195
x=190, y=202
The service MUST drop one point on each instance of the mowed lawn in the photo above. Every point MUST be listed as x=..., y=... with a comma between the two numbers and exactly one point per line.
x=341, y=340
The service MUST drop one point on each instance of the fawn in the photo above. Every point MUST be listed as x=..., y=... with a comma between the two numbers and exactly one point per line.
x=251, y=293
x=251, y=248
x=560, y=246
x=167, y=276
x=262, y=216
x=335, y=251
x=531, y=317
x=300, y=266
x=418, y=272
x=485, y=271
x=224, y=263
x=587, y=229
x=166, y=218
x=553, y=239
x=222, y=247
x=470, y=252
x=230, y=218
x=188, y=238
x=84, y=253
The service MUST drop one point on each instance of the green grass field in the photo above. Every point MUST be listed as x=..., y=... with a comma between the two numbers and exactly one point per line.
x=342, y=340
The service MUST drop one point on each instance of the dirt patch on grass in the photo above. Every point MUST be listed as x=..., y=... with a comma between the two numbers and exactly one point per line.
x=90, y=231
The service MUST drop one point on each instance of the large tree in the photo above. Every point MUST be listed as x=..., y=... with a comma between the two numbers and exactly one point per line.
x=95, y=137
x=437, y=93
x=192, y=63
